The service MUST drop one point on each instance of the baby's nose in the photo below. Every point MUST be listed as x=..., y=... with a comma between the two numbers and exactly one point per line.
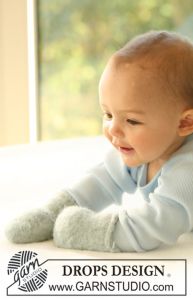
x=115, y=129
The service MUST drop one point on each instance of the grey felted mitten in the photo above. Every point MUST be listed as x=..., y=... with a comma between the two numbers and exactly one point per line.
x=37, y=225
x=81, y=228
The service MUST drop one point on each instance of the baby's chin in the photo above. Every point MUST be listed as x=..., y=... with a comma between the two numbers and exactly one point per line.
x=132, y=163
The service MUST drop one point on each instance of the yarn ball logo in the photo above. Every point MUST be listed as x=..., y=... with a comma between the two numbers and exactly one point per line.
x=27, y=272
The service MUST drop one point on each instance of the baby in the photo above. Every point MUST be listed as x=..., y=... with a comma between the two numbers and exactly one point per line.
x=141, y=196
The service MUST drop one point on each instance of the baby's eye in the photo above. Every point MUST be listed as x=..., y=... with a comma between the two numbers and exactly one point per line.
x=107, y=116
x=133, y=122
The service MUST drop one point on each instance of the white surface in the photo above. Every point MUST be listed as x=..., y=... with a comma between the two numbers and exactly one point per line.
x=30, y=175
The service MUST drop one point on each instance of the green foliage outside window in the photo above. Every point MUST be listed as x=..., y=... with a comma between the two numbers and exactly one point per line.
x=75, y=40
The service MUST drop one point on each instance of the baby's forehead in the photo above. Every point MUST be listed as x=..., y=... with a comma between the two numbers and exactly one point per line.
x=137, y=71
x=139, y=82
x=163, y=66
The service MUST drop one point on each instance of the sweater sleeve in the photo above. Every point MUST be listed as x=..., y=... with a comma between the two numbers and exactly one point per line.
x=163, y=217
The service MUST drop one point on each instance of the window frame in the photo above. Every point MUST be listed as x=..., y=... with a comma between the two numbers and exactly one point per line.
x=34, y=122
x=18, y=72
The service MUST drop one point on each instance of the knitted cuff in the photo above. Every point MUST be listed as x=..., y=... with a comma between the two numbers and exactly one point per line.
x=81, y=228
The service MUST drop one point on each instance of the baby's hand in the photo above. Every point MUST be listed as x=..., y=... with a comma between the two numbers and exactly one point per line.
x=37, y=225
x=34, y=226
x=81, y=228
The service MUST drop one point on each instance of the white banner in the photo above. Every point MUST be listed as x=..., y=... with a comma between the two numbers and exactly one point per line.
x=90, y=277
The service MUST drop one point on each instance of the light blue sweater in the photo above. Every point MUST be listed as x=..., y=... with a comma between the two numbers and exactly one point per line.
x=149, y=214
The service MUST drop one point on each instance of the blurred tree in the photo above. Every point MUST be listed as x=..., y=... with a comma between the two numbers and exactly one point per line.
x=76, y=38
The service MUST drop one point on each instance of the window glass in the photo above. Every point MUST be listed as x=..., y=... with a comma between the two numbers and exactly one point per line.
x=75, y=40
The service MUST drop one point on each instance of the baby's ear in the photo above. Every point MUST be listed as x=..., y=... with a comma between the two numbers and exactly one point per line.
x=186, y=123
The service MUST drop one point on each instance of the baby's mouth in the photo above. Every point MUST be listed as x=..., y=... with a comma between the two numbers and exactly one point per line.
x=125, y=150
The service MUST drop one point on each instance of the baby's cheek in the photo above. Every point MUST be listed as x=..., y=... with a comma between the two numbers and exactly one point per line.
x=142, y=145
x=148, y=149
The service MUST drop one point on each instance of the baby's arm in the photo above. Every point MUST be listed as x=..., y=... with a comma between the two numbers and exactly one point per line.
x=37, y=225
x=166, y=215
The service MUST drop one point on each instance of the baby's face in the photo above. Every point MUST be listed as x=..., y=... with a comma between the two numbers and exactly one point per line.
x=140, y=119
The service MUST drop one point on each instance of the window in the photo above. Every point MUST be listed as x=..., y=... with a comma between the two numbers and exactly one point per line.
x=75, y=39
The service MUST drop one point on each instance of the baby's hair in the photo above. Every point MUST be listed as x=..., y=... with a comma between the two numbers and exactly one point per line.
x=168, y=54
